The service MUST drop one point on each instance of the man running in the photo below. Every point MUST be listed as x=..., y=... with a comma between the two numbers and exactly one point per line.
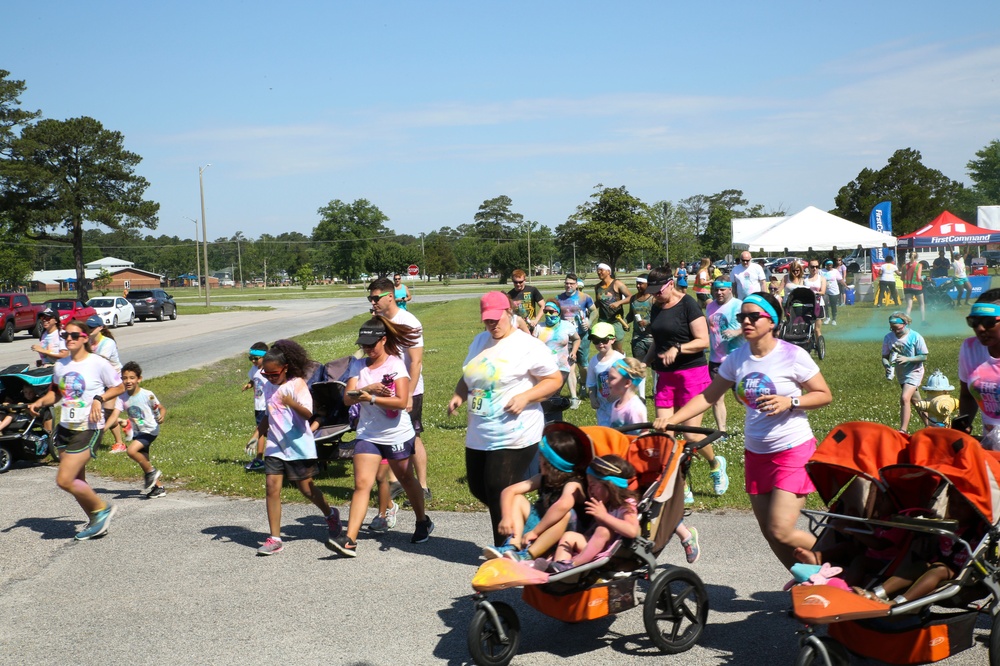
x=611, y=294
x=577, y=308
x=527, y=301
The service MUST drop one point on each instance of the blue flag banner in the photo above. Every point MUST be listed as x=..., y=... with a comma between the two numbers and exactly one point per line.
x=881, y=220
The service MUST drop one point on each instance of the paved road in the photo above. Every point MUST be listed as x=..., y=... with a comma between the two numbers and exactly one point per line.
x=177, y=582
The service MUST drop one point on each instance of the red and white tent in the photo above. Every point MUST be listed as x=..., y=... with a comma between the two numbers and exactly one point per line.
x=946, y=229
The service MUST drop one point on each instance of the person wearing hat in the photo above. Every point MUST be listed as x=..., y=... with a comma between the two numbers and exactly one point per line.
x=834, y=284
x=602, y=336
x=103, y=343
x=505, y=377
x=561, y=337
x=611, y=295
x=50, y=346
x=904, y=351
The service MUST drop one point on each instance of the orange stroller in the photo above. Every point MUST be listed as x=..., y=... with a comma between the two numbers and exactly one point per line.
x=675, y=608
x=938, y=494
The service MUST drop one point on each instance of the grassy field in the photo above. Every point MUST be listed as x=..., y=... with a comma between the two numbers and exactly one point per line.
x=210, y=419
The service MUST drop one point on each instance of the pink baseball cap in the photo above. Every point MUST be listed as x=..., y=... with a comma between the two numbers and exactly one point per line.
x=493, y=304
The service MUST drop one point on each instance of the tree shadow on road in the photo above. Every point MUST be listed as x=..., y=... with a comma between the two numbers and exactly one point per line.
x=48, y=528
x=235, y=534
x=762, y=633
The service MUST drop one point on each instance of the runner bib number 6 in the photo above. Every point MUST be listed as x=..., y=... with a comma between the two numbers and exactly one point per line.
x=75, y=412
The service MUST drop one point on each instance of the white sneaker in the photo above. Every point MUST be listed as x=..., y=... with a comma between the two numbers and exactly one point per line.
x=833, y=323
x=826, y=321
x=574, y=403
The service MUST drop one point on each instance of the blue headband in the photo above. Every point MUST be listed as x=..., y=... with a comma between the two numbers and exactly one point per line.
x=758, y=300
x=553, y=458
x=985, y=310
x=554, y=305
x=613, y=480
x=722, y=284
x=258, y=352
x=622, y=368
x=896, y=320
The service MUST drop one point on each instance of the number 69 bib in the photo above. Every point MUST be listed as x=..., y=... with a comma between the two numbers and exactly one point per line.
x=481, y=402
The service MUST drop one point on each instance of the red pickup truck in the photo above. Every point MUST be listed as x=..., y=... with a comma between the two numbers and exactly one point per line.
x=18, y=314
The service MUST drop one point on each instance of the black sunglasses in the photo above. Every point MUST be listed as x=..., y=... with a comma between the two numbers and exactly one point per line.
x=986, y=322
x=601, y=341
x=273, y=374
x=379, y=297
x=752, y=317
x=550, y=312
x=72, y=335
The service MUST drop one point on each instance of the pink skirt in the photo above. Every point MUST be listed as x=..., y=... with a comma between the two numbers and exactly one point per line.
x=785, y=470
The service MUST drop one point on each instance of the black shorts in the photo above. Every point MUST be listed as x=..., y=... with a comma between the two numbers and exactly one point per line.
x=910, y=291
x=416, y=413
x=400, y=451
x=259, y=414
x=703, y=298
x=144, y=438
x=293, y=470
x=77, y=441
x=713, y=369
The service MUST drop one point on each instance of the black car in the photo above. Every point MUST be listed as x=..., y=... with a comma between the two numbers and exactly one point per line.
x=152, y=303
x=992, y=257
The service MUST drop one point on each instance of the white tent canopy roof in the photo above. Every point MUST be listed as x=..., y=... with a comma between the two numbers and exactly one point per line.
x=810, y=228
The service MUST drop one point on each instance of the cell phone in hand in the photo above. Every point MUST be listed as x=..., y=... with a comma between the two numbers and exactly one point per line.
x=354, y=394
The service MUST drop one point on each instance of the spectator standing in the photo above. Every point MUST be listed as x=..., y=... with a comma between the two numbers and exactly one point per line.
x=887, y=282
x=838, y=263
x=578, y=308
x=702, y=283
x=961, y=278
x=833, y=288
x=611, y=295
x=748, y=277
x=913, y=286
x=724, y=337
x=941, y=265
x=527, y=301
x=401, y=293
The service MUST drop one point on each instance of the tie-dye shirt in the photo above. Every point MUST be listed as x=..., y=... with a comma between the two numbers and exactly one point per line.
x=723, y=318
x=781, y=372
x=140, y=409
x=981, y=373
x=597, y=384
x=79, y=382
x=495, y=371
x=627, y=413
x=559, y=339
x=288, y=434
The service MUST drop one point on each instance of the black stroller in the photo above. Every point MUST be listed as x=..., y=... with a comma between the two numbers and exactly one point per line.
x=938, y=296
x=25, y=437
x=799, y=326
x=327, y=384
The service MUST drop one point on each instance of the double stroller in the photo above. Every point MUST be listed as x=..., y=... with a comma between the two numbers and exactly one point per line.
x=675, y=608
x=25, y=437
x=799, y=325
x=935, y=496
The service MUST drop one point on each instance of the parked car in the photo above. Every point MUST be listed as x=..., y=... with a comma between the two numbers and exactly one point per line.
x=773, y=264
x=722, y=265
x=992, y=257
x=113, y=310
x=18, y=314
x=69, y=310
x=152, y=303
x=784, y=267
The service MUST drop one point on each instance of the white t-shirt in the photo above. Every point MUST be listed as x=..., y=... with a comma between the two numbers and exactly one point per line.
x=889, y=271
x=959, y=267
x=981, y=373
x=782, y=372
x=288, y=434
x=378, y=424
x=632, y=412
x=140, y=409
x=911, y=344
x=79, y=382
x=408, y=319
x=51, y=342
x=108, y=348
x=494, y=372
x=257, y=380
x=597, y=380
x=748, y=278
x=832, y=281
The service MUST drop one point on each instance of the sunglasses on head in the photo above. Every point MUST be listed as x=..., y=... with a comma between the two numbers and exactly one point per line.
x=986, y=322
x=752, y=317
x=72, y=335
x=379, y=297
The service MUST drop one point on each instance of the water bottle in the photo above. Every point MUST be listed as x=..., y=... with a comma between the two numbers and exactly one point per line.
x=389, y=381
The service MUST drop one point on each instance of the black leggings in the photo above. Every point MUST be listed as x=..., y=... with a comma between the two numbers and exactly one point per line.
x=489, y=472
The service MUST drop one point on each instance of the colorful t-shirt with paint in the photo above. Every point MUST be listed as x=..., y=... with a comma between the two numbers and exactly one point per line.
x=525, y=302
x=640, y=316
x=108, y=348
x=79, y=382
x=495, y=371
x=782, y=372
x=597, y=380
x=391, y=427
x=51, y=342
x=407, y=318
x=630, y=413
x=723, y=318
x=288, y=434
x=981, y=373
x=911, y=344
x=576, y=308
x=257, y=380
x=559, y=339
x=140, y=409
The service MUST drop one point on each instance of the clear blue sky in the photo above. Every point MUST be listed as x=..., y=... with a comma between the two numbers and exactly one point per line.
x=426, y=109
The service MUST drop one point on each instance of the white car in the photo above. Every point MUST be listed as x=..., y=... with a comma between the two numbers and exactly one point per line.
x=113, y=310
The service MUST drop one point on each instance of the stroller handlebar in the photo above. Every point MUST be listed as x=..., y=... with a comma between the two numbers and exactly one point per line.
x=708, y=432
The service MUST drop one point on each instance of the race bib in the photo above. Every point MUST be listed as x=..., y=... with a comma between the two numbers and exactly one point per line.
x=480, y=402
x=75, y=412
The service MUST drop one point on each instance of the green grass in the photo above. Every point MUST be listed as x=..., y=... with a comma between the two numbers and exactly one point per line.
x=209, y=419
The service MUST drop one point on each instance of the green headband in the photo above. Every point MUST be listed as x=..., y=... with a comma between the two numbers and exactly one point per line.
x=985, y=310
x=758, y=300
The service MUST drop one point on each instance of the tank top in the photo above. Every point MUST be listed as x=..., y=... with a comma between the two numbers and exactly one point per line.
x=641, y=309
x=912, y=280
x=605, y=297
x=816, y=284
x=400, y=295
x=702, y=282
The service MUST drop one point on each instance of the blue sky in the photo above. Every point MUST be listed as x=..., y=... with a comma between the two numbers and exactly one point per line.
x=427, y=109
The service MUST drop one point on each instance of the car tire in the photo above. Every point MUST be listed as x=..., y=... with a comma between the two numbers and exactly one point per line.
x=38, y=331
x=173, y=313
x=114, y=324
x=159, y=315
x=8, y=332
x=142, y=319
x=131, y=320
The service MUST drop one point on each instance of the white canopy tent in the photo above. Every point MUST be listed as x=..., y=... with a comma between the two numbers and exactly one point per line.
x=809, y=229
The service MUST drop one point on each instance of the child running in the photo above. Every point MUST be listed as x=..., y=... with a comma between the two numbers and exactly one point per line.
x=534, y=528
x=381, y=388
x=256, y=381
x=611, y=505
x=903, y=354
x=627, y=409
x=603, y=337
x=145, y=413
x=291, y=448
x=103, y=343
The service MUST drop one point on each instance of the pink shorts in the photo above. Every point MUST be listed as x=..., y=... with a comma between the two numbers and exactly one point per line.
x=676, y=388
x=785, y=470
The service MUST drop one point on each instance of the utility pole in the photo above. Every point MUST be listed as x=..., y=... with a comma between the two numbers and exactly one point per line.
x=197, y=255
x=239, y=258
x=204, y=233
x=531, y=271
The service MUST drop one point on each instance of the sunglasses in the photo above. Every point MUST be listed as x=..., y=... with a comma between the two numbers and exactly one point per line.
x=986, y=322
x=601, y=341
x=813, y=265
x=518, y=283
x=379, y=297
x=550, y=312
x=752, y=317
x=72, y=335
x=745, y=261
x=269, y=375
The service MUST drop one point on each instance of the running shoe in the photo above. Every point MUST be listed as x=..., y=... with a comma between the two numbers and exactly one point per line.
x=119, y=448
x=720, y=480
x=344, y=545
x=271, y=546
x=833, y=323
x=560, y=566
x=99, y=523
x=157, y=492
x=149, y=481
x=423, y=531
x=574, y=403
x=691, y=550
x=333, y=522
x=427, y=494
x=390, y=515
x=518, y=555
x=494, y=552
x=379, y=525
x=255, y=465
x=688, y=495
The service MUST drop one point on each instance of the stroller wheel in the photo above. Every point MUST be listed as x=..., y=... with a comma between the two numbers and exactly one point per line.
x=485, y=644
x=675, y=610
x=821, y=347
x=6, y=459
x=836, y=654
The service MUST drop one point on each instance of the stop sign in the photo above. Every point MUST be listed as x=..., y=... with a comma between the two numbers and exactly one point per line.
x=413, y=270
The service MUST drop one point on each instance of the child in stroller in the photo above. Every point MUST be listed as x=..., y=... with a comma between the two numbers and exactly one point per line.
x=799, y=326
x=23, y=436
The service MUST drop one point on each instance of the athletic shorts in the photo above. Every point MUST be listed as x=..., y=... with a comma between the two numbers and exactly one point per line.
x=913, y=291
x=713, y=369
x=416, y=413
x=640, y=346
x=785, y=470
x=144, y=438
x=583, y=352
x=675, y=389
x=259, y=414
x=400, y=451
x=960, y=281
x=77, y=441
x=292, y=470
x=703, y=298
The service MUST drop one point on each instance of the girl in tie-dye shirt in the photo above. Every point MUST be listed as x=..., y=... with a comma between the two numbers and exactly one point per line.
x=979, y=369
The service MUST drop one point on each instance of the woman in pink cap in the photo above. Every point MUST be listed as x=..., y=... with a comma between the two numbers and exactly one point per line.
x=506, y=375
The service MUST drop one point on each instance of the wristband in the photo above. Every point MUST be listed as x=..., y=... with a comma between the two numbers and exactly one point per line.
x=99, y=399
x=372, y=400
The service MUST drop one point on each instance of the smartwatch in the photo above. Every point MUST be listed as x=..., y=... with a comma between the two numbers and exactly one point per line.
x=795, y=403
x=99, y=399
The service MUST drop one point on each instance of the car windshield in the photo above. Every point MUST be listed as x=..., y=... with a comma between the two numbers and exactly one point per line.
x=60, y=305
x=101, y=302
